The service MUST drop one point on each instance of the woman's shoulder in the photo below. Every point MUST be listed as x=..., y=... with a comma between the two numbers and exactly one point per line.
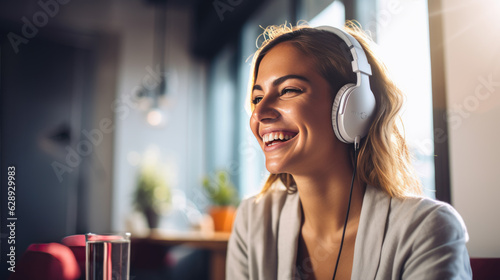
x=419, y=237
x=426, y=212
x=424, y=223
x=411, y=216
x=267, y=204
x=254, y=243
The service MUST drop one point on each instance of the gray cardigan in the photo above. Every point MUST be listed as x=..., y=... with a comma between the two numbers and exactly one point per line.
x=414, y=238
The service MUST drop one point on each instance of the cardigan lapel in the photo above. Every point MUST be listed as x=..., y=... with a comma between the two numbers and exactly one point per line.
x=289, y=228
x=371, y=233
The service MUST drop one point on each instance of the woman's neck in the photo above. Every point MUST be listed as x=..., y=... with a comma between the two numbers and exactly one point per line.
x=324, y=198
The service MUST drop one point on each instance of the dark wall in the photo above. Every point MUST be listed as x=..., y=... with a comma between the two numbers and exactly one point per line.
x=46, y=96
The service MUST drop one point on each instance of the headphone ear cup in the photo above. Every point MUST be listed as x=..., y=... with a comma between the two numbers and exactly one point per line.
x=335, y=110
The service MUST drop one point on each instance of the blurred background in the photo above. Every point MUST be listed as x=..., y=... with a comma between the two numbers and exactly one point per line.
x=93, y=93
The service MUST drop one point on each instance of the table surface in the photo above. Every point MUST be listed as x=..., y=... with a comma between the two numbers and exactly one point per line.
x=204, y=240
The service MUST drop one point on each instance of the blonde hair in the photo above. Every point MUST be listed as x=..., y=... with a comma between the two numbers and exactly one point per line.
x=384, y=160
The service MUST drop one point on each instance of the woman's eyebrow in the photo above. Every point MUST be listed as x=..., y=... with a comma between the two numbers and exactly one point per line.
x=280, y=80
x=287, y=77
x=256, y=87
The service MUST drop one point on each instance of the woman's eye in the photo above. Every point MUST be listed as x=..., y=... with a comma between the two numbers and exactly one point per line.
x=290, y=91
x=256, y=100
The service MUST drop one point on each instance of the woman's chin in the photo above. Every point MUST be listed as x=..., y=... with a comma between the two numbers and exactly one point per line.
x=275, y=168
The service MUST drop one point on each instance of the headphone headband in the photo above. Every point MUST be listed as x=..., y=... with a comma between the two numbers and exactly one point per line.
x=360, y=62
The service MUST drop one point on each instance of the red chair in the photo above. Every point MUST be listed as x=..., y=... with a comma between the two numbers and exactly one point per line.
x=77, y=244
x=50, y=261
x=485, y=268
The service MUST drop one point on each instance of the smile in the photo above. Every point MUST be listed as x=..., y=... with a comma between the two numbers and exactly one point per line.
x=277, y=137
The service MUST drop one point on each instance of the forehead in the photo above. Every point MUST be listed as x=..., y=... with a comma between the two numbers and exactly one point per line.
x=284, y=59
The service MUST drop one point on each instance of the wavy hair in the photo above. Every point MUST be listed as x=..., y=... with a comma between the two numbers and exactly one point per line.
x=384, y=160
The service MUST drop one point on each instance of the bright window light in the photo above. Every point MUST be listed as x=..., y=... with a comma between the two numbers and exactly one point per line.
x=403, y=39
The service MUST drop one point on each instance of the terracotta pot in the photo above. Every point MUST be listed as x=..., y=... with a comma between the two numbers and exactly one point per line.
x=223, y=217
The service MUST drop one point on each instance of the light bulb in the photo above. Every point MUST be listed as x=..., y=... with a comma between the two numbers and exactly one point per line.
x=155, y=117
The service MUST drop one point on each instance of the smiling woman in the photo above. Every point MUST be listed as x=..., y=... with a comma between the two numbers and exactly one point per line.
x=290, y=99
x=325, y=63
x=342, y=200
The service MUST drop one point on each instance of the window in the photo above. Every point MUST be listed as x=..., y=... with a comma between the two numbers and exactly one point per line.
x=403, y=36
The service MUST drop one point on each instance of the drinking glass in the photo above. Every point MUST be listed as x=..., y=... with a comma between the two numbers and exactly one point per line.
x=107, y=256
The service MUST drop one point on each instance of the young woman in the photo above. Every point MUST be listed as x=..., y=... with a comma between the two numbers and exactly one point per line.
x=342, y=201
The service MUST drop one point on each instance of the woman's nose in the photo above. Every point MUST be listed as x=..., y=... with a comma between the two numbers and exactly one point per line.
x=265, y=111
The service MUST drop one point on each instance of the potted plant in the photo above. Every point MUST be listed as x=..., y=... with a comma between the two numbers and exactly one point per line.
x=224, y=198
x=152, y=195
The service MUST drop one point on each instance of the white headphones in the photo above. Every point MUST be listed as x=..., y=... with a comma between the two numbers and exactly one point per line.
x=354, y=104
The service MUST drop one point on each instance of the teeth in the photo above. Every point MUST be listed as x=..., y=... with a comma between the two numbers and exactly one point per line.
x=270, y=137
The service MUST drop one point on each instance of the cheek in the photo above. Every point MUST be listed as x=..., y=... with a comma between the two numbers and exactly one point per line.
x=317, y=116
x=317, y=120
